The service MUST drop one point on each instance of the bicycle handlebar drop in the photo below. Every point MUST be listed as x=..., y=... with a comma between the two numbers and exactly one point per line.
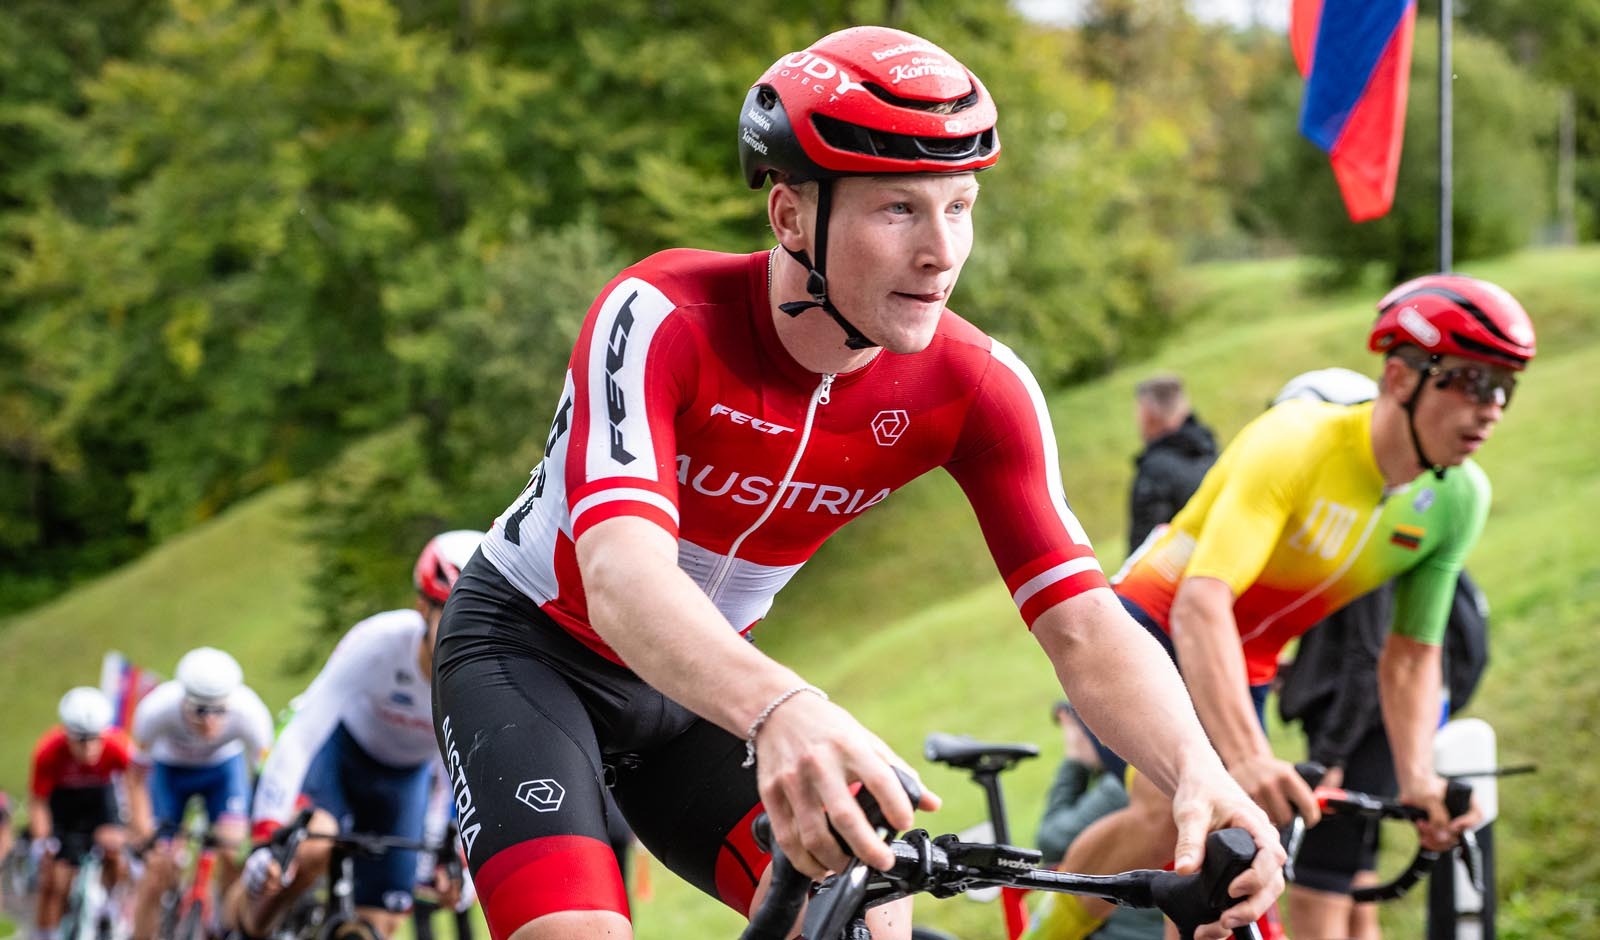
x=944, y=866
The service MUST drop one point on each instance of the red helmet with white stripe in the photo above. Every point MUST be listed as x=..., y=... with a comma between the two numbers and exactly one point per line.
x=1452, y=314
x=866, y=101
x=441, y=562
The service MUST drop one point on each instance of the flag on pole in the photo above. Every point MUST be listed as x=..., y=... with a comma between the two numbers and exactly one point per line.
x=1356, y=58
x=125, y=684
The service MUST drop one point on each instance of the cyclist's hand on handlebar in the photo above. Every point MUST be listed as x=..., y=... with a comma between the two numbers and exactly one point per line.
x=1278, y=788
x=1440, y=832
x=809, y=753
x=261, y=874
x=1202, y=805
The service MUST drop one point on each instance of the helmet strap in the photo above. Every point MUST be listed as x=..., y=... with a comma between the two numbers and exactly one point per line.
x=1411, y=419
x=817, y=282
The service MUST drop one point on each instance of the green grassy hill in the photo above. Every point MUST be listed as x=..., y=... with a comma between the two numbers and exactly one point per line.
x=903, y=619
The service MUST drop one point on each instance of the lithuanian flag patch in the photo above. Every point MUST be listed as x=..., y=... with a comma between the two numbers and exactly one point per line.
x=1407, y=536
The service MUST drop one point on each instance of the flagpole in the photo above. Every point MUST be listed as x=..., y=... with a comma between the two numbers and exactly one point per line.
x=1446, y=15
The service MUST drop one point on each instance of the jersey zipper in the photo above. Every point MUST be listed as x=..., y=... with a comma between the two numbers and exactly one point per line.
x=818, y=397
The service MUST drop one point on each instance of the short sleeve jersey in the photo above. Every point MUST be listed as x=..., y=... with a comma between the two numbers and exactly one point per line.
x=55, y=767
x=1294, y=519
x=165, y=737
x=682, y=407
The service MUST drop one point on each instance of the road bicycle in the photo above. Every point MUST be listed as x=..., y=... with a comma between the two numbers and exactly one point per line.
x=943, y=866
x=88, y=914
x=331, y=913
x=188, y=911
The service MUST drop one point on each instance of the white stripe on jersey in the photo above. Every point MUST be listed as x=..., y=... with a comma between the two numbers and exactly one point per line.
x=747, y=588
x=625, y=493
x=620, y=440
x=1052, y=461
x=1050, y=576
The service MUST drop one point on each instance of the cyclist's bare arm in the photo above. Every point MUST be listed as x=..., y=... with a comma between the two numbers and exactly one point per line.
x=1206, y=637
x=141, y=819
x=39, y=822
x=1409, y=691
x=809, y=750
x=1121, y=681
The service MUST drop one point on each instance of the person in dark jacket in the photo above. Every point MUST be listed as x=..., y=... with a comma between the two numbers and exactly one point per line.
x=1177, y=453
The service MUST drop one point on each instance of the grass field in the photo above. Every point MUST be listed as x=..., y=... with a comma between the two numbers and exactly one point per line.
x=902, y=618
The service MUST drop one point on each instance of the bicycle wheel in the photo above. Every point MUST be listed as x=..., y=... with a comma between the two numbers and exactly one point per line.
x=340, y=928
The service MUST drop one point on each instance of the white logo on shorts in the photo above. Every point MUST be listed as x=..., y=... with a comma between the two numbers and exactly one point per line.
x=543, y=796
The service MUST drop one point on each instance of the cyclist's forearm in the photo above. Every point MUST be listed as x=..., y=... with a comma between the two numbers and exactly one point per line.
x=667, y=630
x=1207, y=640
x=38, y=818
x=1124, y=686
x=1409, y=680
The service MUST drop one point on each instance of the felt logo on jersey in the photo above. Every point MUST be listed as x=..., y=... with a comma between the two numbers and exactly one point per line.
x=543, y=796
x=616, y=401
x=739, y=417
x=887, y=426
x=748, y=489
x=465, y=810
x=1423, y=501
x=1408, y=536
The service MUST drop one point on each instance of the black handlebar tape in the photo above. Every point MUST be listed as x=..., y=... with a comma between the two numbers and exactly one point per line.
x=285, y=841
x=1457, y=797
x=1311, y=772
x=1192, y=900
x=874, y=813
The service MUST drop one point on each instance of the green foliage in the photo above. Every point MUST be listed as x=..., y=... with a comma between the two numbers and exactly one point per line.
x=1501, y=177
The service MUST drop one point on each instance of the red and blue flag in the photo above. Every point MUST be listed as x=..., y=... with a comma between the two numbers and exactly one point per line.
x=1356, y=58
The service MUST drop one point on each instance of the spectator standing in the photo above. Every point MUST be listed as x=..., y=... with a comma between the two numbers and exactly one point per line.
x=1178, y=450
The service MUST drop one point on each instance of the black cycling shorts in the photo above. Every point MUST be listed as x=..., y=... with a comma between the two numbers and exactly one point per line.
x=533, y=726
x=1339, y=846
x=76, y=812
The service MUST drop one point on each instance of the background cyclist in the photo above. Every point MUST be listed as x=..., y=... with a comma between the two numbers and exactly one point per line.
x=722, y=416
x=359, y=749
x=1309, y=507
x=201, y=734
x=72, y=800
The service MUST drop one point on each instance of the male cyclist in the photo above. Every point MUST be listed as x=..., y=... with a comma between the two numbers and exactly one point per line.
x=722, y=416
x=72, y=805
x=1313, y=505
x=201, y=735
x=360, y=750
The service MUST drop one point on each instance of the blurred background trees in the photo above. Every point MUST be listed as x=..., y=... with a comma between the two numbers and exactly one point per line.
x=351, y=240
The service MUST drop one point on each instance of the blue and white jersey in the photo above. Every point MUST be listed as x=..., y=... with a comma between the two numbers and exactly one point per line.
x=165, y=737
x=371, y=685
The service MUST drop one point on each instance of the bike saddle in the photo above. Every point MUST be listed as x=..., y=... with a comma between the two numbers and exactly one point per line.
x=961, y=751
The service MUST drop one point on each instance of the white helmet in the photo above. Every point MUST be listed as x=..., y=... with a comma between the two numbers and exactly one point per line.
x=209, y=675
x=1339, y=386
x=85, y=711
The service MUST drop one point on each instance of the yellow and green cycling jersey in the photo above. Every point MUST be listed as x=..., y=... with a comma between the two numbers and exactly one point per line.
x=1294, y=518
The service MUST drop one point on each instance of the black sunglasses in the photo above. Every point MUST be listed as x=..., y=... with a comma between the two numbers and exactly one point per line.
x=1483, y=385
x=206, y=710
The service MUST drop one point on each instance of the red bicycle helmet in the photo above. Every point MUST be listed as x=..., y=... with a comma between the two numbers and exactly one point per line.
x=866, y=101
x=1447, y=314
x=441, y=562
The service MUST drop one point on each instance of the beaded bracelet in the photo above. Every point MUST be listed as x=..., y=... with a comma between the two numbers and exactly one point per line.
x=761, y=719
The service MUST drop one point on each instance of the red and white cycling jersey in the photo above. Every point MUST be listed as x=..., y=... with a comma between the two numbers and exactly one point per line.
x=682, y=407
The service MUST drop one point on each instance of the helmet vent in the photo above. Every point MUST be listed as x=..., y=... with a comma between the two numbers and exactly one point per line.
x=856, y=139
x=952, y=106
